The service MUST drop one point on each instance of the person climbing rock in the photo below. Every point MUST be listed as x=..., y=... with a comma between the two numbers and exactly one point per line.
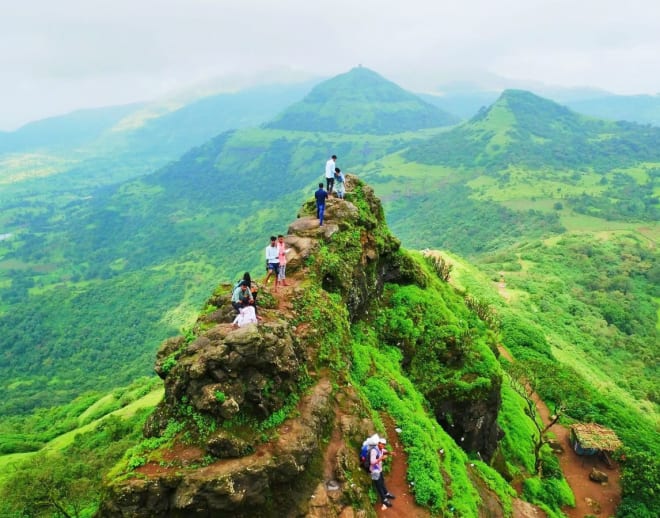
x=340, y=179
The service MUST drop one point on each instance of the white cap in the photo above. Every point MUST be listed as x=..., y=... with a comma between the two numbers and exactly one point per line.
x=382, y=440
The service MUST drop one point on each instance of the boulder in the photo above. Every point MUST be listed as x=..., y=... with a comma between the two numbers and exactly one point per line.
x=598, y=476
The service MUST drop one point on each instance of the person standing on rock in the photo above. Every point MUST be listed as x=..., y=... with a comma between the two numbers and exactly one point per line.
x=272, y=261
x=320, y=196
x=282, y=251
x=376, y=457
x=339, y=178
x=330, y=173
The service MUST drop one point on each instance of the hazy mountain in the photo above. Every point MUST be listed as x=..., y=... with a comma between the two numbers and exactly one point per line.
x=65, y=132
x=463, y=104
x=361, y=101
x=644, y=109
x=177, y=131
x=465, y=100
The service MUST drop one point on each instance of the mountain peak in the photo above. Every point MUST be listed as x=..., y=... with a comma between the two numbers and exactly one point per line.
x=527, y=108
x=361, y=101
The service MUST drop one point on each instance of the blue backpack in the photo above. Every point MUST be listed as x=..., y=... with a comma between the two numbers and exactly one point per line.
x=365, y=456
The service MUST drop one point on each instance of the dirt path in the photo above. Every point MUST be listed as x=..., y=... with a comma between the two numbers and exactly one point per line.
x=404, y=505
x=591, y=498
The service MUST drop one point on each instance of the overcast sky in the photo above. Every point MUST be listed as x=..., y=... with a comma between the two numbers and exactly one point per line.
x=59, y=55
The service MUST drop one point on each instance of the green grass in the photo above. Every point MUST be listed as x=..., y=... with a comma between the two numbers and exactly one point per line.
x=10, y=462
x=149, y=401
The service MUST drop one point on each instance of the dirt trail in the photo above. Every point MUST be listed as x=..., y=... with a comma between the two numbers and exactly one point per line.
x=403, y=506
x=591, y=498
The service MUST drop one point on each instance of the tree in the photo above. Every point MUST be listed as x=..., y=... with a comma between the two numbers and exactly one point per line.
x=49, y=485
x=524, y=382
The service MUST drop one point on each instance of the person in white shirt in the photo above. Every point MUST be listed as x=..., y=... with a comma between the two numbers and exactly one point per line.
x=272, y=261
x=330, y=173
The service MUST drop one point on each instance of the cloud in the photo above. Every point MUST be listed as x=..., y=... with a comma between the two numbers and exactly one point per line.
x=57, y=56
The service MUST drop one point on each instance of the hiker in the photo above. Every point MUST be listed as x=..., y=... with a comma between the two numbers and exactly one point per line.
x=376, y=457
x=272, y=261
x=330, y=173
x=282, y=251
x=241, y=297
x=320, y=196
x=340, y=179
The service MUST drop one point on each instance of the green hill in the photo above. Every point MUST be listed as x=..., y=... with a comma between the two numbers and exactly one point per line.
x=135, y=261
x=564, y=206
x=523, y=129
x=563, y=209
x=358, y=102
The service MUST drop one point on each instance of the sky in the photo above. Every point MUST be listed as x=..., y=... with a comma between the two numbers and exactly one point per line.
x=58, y=56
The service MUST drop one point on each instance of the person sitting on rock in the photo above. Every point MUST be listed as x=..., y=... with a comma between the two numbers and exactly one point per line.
x=245, y=316
x=242, y=297
x=247, y=279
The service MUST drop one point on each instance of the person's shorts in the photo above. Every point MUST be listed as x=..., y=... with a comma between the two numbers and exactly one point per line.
x=274, y=267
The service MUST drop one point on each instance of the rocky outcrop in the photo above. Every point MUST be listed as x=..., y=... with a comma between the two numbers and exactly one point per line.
x=246, y=487
x=248, y=412
x=234, y=388
x=228, y=371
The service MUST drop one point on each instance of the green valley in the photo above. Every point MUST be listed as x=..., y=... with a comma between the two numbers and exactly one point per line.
x=557, y=213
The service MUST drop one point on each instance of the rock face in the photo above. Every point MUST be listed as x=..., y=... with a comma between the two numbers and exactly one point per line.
x=598, y=476
x=247, y=487
x=473, y=423
x=228, y=371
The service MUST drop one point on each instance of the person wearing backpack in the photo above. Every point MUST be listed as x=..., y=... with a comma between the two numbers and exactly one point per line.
x=376, y=457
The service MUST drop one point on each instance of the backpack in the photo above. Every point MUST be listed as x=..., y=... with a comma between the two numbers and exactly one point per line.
x=365, y=452
x=365, y=457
